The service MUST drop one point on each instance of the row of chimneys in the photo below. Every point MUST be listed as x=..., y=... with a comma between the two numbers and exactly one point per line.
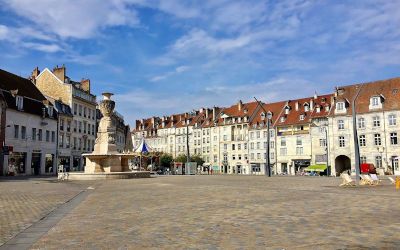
x=185, y=117
x=61, y=73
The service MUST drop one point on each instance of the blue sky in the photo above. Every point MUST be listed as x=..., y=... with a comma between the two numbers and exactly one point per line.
x=163, y=57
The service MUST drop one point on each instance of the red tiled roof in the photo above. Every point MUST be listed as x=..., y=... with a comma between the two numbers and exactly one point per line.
x=238, y=110
x=389, y=89
x=294, y=114
x=275, y=108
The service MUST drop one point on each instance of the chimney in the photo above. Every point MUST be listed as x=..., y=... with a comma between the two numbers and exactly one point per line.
x=297, y=106
x=153, y=123
x=214, y=113
x=85, y=85
x=206, y=112
x=35, y=74
x=60, y=72
x=311, y=104
x=240, y=104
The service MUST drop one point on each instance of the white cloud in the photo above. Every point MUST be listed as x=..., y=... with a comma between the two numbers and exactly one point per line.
x=74, y=19
x=178, y=70
x=49, y=48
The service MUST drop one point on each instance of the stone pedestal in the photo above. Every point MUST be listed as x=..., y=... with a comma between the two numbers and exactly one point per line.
x=105, y=159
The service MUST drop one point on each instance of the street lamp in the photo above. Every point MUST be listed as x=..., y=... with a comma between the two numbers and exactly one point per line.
x=327, y=148
x=355, y=136
x=269, y=117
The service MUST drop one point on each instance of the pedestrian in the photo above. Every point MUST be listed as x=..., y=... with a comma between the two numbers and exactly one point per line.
x=11, y=168
x=211, y=171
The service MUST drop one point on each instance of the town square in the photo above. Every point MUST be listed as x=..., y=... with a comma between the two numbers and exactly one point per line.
x=136, y=124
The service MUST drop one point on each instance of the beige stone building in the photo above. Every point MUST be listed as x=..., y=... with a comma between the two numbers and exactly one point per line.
x=378, y=127
x=79, y=133
x=29, y=128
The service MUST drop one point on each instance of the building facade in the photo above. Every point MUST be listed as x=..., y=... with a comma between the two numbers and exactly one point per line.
x=316, y=130
x=79, y=133
x=30, y=128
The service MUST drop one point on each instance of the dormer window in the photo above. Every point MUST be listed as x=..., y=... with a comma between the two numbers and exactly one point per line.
x=301, y=117
x=50, y=111
x=19, y=102
x=340, y=106
x=306, y=107
x=287, y=109
x=375, y=101
x=327, y=108
x=245, y=111
x=282, y=119
x=318, y=109
x=262, y=116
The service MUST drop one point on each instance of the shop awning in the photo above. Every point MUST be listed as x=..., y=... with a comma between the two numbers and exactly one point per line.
x=316, y=168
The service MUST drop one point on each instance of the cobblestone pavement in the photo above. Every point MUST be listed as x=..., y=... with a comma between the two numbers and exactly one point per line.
x=24, y=201
x=230, y=212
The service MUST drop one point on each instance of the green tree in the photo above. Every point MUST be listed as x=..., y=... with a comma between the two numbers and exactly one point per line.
x=181, y=158
x=165, y=160
x=198, y=159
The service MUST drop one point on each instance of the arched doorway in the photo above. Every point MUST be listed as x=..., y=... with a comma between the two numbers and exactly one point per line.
x=342, y=163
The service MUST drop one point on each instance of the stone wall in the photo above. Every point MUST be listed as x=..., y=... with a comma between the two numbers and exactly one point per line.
x=49, y=85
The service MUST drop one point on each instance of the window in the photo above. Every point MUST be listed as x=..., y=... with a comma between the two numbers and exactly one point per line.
x=361, y=122
x=225, y=137
x=40, y=135
x=239, y=157
x=68, y=126
x=53, y=136
x=378, y=161
x=80, y=127
x=62, y=124
x=61, y=141
x=301, y=117
x=272, y=155
x=392, y=120
x=75, y=108
x=84, y=111
x=299, y=150
x=271, y=133
x=23, y=132
x=375, y=101
x=16, y=131
x=340, y=124
x=19, y=102
x=50, y=111
x=258, y=134
x=283, y=141
x=47, y=135
x=239, y=146
x=393, y=138
x=299, y=141
x=363, y=159
x=225, y=146
x=80, y=110
x=245, y=145
x=252, y=156
x=283, y=151
x=377, y=139
x=265, y=145
x=233, y=157
x=92, y=129
x=33, y=134
x=272, y=143
x=233, y=146
x=340, y=106
x=376, y=121
x=74, y=146
x=362, y=141
x=75, y=125
x=258, y=145
x=68, y=142
x=265, y=134
x=341, y=142
x=322, y=142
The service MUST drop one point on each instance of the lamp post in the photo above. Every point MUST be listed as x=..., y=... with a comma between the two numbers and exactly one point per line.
x=269, y=117
x=355, y=136
x=327, y=149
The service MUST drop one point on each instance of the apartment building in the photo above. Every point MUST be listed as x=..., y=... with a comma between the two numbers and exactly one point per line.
x=377, y=122
x=29, y=128
x=294, y=132
x=316, y=130
x=258, y=135
x=81, y=133
x=233, y=123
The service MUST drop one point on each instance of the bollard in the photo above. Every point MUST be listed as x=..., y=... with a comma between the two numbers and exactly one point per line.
x=397, y=182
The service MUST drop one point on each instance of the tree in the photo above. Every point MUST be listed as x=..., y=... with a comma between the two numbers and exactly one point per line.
x=165, y=160
x=198, y=159
x=181, y=158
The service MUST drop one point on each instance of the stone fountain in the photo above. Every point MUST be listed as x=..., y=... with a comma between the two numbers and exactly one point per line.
x=105, y=162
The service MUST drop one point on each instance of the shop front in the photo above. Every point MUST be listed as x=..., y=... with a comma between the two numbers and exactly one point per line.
x=16, y=163
x=64, y=161
x=49, y=164
x=76, y=164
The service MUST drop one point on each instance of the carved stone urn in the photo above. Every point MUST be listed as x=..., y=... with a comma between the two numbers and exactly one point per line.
x=107, y=105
